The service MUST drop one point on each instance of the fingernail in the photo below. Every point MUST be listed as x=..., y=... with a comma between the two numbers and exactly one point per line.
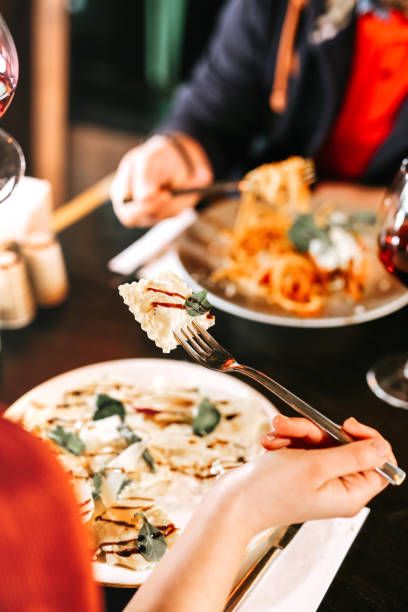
x=270, y=436
x=380, y=447
x=283, y=417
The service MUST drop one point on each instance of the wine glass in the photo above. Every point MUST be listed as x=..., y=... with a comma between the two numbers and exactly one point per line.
x=12, y=162
x=388, y=378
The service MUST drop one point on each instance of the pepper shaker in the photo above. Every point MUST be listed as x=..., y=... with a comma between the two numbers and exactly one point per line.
x=46, y=267
x=17, y=305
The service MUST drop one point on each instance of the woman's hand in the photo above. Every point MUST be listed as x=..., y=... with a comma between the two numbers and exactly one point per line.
x=147, y=174
x=302, y=433
x=292, y=485
x=288, y=485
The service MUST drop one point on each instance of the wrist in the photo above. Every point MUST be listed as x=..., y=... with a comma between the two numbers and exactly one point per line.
x=230, y=498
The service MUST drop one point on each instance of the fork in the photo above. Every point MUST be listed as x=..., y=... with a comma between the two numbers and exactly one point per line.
x=308, y=175
x=219, y=187
x=202, y=347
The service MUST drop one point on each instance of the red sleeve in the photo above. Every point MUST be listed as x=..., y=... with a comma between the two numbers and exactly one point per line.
x=45, y=560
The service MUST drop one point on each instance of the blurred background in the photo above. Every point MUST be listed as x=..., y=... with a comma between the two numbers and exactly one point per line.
x=95, y=77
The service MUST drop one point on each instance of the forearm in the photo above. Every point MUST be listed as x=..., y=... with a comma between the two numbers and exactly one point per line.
x=191, y=576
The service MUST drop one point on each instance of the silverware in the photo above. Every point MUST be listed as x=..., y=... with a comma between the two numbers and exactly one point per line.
x=219, y=187
x=210, y=190
x=249, y=184
x=250, y=580
x=202, y=347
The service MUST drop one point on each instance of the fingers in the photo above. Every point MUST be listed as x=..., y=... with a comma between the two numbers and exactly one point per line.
x=363, y=432
x=146, y=176
x=359, y=430
x=347, y=495
x=272, y=441
x=301, y=432
x=351, y=458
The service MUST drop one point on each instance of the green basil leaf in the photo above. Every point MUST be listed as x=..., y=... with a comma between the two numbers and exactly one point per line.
x=107, y=406
x=303, y=230
x=123, y=484
x=148, y=457
x=154, y=543
x=197, y=304
x=207, y=418
x=365, y=217
x=68, y=440
x=97, y=484
x=129, y=435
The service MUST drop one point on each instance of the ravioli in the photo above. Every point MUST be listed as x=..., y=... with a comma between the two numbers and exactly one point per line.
x=141, y=473
x=159, y=305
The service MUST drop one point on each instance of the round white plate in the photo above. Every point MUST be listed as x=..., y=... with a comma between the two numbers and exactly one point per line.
x=197, y=259
x=139, y=370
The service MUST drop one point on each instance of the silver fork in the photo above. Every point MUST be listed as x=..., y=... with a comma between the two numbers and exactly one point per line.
x=202, y=347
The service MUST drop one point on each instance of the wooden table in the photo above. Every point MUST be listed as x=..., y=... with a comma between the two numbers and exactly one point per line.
x=324, y=366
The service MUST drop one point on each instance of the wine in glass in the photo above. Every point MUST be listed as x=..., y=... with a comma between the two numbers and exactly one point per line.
x=389, y=377
x=12, y=162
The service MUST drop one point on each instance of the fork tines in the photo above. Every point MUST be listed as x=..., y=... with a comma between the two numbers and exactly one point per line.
x=309, y=171
x=198, y=343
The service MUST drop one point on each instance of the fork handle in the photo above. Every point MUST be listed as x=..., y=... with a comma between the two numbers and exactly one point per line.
x=209, y=190
x=391, y=472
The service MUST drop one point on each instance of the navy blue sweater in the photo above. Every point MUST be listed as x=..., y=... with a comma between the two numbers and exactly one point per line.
x=225, y=105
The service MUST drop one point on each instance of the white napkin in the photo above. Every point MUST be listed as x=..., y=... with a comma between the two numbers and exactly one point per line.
x=151, y=243
x=301, y=575
x=27, y=209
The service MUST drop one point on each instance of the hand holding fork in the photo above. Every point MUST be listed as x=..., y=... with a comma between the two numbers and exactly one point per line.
x=202, y=347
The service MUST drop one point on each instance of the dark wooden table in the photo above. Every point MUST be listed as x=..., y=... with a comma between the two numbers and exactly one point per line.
x=324, y=366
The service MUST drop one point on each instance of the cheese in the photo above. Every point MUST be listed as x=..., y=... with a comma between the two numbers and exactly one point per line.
x=97, y=434
x=342, y=250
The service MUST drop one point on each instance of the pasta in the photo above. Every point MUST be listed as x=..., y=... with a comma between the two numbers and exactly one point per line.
x=263, y=257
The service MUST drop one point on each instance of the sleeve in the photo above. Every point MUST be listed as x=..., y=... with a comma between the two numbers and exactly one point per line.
x=225, y=103
x=45, y=559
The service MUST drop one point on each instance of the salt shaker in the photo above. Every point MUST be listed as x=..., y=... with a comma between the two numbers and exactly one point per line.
x=17, y=305
x=46, y=267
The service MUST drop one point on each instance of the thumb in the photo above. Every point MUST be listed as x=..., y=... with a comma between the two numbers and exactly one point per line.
x=351, y=458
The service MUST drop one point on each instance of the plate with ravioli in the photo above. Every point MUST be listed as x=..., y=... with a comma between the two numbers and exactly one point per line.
x=278, y=255
x=142, y=441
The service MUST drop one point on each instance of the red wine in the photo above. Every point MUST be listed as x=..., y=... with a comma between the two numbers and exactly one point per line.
x=7, y=89
x=393, y=245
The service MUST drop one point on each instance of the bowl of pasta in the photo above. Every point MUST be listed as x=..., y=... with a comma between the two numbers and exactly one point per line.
x=278, y=255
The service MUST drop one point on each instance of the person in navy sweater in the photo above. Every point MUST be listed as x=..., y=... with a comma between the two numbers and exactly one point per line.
x=326, y=79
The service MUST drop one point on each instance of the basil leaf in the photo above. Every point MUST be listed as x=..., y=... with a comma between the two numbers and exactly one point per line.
x=148, y=457
x=68, y=440
x=154, y=543
x=107, y=406
x=97, y=483
x=123, y=484
x=366, y=217
x=303, y=230
x=197, y=304
x=129, y=435
x=207, y=418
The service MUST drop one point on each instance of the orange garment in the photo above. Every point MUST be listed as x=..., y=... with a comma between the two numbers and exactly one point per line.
x=44, y=553
x=376, y=90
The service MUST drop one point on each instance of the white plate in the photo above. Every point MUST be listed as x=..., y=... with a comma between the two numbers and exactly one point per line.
x=197, y=260
x=149, y=370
